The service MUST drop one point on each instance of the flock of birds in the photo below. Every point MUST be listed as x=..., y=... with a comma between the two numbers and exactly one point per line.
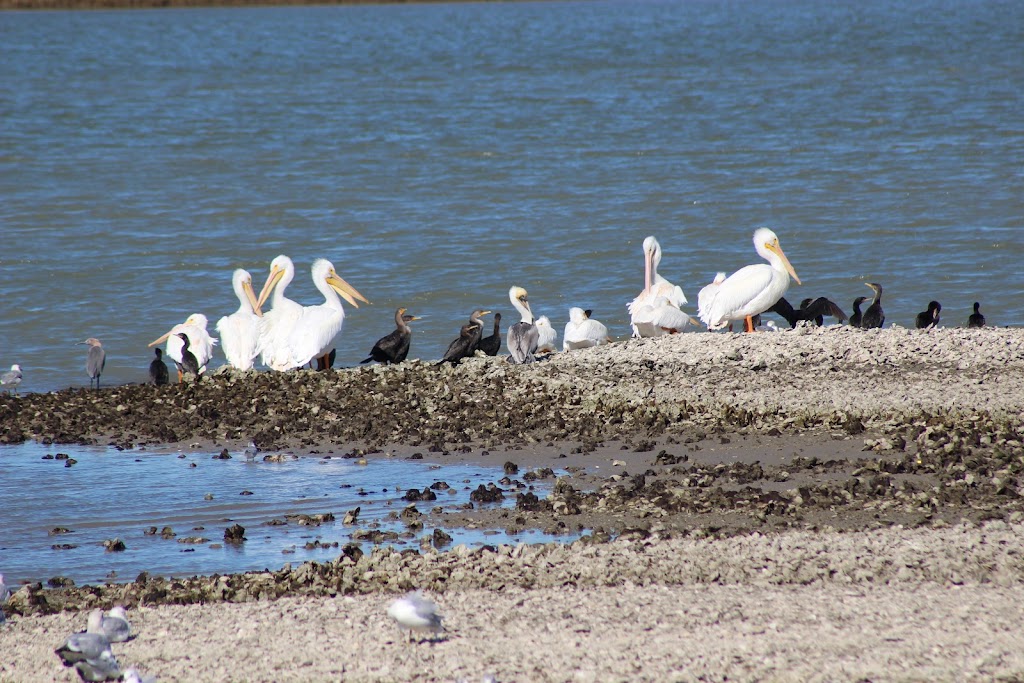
x=90, y=654
x=290, y=335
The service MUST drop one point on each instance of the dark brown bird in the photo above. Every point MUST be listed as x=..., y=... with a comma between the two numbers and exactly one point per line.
x=976, y=319
x=462, y=347
x=874, y=316
x=158, y=374
x=929, y=318
x=809, y=309
x=394, y=347
x=857, y=315
x=492, y=345
x=188, y=360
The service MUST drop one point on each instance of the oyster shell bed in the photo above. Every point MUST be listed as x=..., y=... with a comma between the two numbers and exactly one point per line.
x=900, y=481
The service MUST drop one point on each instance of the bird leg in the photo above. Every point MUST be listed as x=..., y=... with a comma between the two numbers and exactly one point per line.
x=748, y=324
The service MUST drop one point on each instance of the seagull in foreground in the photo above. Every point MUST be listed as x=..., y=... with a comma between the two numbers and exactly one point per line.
x=103, y=668
x=416, y=613
x=11, y=379
x=133, y=676
x=83, y=646
x=113, y=625
x=547, y=337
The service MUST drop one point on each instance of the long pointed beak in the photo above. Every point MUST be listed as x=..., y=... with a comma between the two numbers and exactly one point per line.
x=160, y=340
x=485, y=312
x=648, y=268
x=347, y=291
x=777, y=250
x=251, y=296
x=275, y=276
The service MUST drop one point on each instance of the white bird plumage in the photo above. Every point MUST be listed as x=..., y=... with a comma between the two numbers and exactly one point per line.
x=12, y=378
x=752, y=289
x=308, y=332
x=276, y=325
x=547, y=336
x=239, y=331
x=708, y=291
x=656, y=311
x=582, y=331
x=414, y=612
x=200, y=343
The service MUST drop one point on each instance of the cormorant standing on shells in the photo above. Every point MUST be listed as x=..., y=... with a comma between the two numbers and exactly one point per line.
x=809, y=309
x=158, y=374
x=929, y=318
x=874, y=316
x=469, y=338
x=394, y=347
x=523, y=337
x=976, y=319
x=188, y=361
x=492, y=344
x=855, y=319
x=94, y=360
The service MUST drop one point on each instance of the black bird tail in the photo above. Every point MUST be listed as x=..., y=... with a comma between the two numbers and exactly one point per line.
x=362, y=362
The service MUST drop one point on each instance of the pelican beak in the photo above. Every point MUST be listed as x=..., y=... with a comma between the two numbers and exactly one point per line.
x=251, y=296
x=160, y=340
x=777, y=250
x=275, y=276
x=648, y=267
x=347, y=291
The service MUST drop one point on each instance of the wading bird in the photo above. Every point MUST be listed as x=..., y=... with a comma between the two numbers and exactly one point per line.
x=95, y=359
x=855, y=319
x=239, y=332
x=189, y=362
x=752, y=289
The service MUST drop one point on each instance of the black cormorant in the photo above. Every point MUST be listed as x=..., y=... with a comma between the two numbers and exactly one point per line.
x=492, y=344
x=469, y=338
x=188, y=361
x=857, y=315
x=929, y=318
x=874, y=316
x=809, y=309
x=976, y=319
x=158, y=369
x=394, y=347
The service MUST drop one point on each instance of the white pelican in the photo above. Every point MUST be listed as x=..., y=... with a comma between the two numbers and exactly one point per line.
x=642, y=309
x=239, y=331
x=200, y=342
x=312, y=335
x=547, y=336
x=582, y=331
x=276, y=325
x=523, y=337
x=708, y=291
x=751, y=289
x=659, y=317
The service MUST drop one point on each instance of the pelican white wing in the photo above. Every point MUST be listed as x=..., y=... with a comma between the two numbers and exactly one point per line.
x=582, y=331
x=239, y=332
x=752, y=289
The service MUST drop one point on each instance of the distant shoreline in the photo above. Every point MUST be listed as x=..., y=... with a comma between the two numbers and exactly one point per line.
x=157, y=4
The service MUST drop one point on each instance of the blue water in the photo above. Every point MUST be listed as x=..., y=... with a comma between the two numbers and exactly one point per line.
x=112, y=494
x=438, y=154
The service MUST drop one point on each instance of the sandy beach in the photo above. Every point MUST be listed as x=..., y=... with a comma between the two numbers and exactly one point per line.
x=821, y=504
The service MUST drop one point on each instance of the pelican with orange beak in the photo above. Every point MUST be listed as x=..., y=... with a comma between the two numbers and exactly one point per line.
x=200, y=342
x=311, y=335
x=752, y=289
x=239, y=332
